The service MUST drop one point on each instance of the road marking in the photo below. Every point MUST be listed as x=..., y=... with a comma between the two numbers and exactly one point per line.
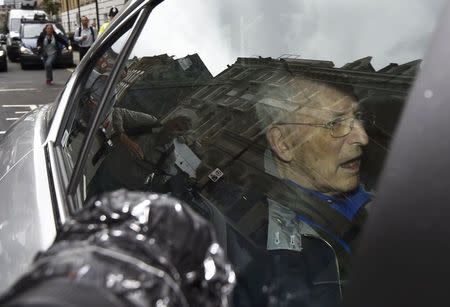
x=31, y=106
x=12, y=118
x=19, y=82
x=17, y=89
x=2, y=132
x=21, y=112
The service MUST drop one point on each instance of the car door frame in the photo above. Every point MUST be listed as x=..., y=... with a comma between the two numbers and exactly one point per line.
x=65, y=177
x=403, y=257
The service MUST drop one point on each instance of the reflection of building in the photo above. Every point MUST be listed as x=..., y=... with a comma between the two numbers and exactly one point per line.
x=227, y=133
x=233, y=90
x=155, y=85
x=230, y=136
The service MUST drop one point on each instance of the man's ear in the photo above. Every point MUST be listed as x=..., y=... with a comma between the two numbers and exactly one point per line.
x=279, y=143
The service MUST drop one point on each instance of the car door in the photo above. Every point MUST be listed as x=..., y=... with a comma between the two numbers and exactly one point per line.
x=81, y=103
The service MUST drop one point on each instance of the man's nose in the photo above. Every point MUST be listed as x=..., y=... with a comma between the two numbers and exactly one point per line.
x=358, y=134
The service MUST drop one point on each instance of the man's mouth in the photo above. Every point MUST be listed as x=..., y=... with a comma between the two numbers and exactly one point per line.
x=352, y=164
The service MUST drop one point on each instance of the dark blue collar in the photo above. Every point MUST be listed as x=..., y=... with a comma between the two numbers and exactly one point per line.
x=346, y=204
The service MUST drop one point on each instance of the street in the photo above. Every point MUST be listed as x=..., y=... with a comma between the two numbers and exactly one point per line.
x=24, y=90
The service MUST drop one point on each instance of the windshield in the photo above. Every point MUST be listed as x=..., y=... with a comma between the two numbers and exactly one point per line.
x=32, y=30
x=271, y=120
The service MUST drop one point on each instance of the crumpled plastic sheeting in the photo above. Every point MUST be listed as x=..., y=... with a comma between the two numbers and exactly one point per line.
x=147, y=249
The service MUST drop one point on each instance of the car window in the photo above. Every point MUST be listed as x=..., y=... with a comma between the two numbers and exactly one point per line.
x=273, y=122
x=89, y=95
x=33, y=30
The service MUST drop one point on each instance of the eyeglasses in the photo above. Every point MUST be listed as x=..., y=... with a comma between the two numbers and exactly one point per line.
x=341, y=127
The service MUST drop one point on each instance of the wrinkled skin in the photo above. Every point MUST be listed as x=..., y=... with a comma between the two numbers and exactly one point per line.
x=309, y=155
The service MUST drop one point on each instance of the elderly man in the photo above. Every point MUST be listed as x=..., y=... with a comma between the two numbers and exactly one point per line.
x=316, y=205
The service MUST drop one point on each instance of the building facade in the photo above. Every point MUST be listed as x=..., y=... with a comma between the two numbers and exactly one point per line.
x=71, y=10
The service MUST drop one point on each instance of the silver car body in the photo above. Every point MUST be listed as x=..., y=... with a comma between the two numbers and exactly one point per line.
x=27, y=222
x=34, y=202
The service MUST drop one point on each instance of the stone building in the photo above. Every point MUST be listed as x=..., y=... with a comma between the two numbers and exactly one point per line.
x=70, y=14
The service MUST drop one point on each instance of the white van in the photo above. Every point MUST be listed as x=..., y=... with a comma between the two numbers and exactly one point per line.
x=13, y=38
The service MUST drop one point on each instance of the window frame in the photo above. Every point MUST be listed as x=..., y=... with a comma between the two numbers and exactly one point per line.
x=70, y=182
x=76, y=175
x=69, y=95
x=405, y=243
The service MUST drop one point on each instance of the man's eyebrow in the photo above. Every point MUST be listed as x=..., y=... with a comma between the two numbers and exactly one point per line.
x=337, y=114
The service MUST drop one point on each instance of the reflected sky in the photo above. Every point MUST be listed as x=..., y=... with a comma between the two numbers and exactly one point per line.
x=337, y=30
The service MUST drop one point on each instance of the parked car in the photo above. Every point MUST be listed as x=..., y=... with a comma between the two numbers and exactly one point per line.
x=280, y=152
x=3, y=60
x=13, y=30
x=29, y=55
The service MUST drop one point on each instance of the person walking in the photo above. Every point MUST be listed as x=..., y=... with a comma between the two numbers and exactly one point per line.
x=112, y=13
x=85, y=36
x=49, y=46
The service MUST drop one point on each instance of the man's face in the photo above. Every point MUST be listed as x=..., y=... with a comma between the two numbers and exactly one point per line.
x=313, y=157
x=84, y=21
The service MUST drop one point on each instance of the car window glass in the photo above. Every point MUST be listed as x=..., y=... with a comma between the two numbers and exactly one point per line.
x=32, y=30
x=273, y=122
x=90, y=94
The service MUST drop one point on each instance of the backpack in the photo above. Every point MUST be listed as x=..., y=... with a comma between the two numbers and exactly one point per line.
x=92, y=32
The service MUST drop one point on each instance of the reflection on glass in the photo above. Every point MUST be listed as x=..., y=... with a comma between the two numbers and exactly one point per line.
x=281, y=152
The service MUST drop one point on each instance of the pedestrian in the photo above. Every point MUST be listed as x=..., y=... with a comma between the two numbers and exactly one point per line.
x=49, y=46
x=112, y=13
x=85, y=36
